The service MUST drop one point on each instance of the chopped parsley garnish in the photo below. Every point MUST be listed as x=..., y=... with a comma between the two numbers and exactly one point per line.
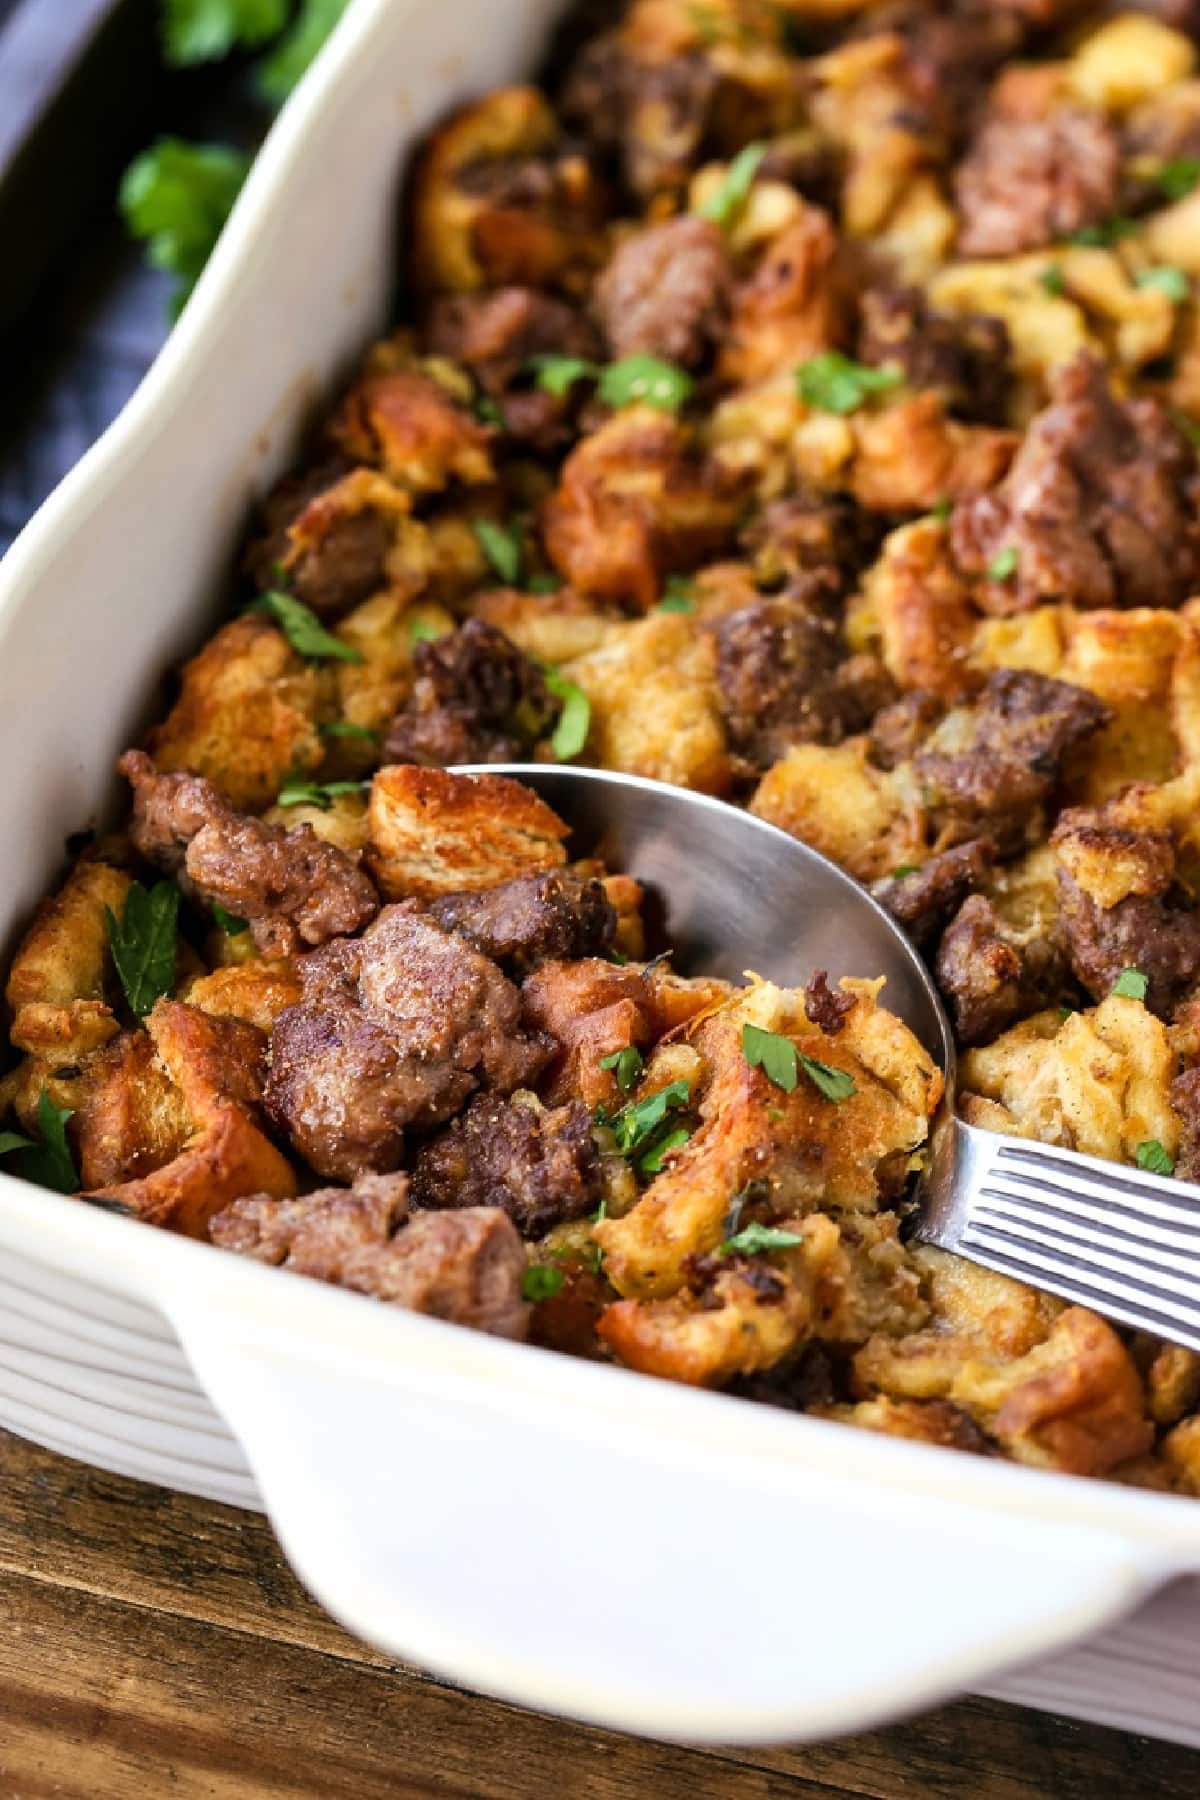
x=543, y=584
x=488, y=413
x=646, y=381
x=1169, y=281
x=725, y=206
x=636, y=1123
x=541, y=1282
x=651, y=1162
x=626, y=1065
x=776, y=1056
x=941, y=512
x=1130, y=984
x=1177, y=178
x=1151, y=1156
x=197, y=31
x=835, y=1084
x=501, y=544
x=1003, y=565
x=574, y=721
x=177, y=196
x=1051, y=279
x=903, y=869
x=559, y=374
x=143, y=943
x=303, y=630
x=755, y=1239
x=679, y=596
x=421, y=631
x=346, y=728
x=229, y=922
x=321, y=794
x=832, y=382
x=49, y=1161
x=1104, y=233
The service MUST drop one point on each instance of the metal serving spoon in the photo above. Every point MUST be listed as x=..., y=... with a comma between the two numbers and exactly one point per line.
x=740, y=894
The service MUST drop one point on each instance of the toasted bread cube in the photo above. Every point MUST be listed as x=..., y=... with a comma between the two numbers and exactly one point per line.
x=245, y=717
x=255, y=992
x=59, y=981
x=834, y=798
x=430, y=832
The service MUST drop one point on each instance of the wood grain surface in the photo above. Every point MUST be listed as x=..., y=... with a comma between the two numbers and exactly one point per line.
x=156, y=1645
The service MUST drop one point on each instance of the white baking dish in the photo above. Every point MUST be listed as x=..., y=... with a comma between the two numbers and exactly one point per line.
x=566, y=1535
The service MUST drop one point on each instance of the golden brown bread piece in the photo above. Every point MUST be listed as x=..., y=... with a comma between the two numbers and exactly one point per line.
x=430, y=832
x=60, y=982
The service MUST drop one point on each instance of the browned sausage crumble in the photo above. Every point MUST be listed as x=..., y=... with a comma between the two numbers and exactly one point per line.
x=798, y=404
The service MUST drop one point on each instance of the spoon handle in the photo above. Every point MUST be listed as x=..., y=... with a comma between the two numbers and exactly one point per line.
x=1122, y=1241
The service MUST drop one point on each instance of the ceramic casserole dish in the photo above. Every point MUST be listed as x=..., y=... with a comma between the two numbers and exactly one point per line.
x=564, y=1535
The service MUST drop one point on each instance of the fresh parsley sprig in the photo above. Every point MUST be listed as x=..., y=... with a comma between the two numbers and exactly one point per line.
x=756, y=1239
x=143, y=942
x=834, y=383
x=303, y=630
x=781, y=1062
x=46, y=1160
x=574, y=721
x=196, y=31
x=1151, y=1156
x=177, y=197
x=541, y=1281
x=727, y=203
x=626, y=1066
x=1131, y=984
x=321, y=794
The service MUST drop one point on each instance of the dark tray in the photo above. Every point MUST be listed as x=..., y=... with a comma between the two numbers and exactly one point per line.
x=78, y=86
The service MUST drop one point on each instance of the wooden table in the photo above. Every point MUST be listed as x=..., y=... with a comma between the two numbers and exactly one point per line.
x=154, y=1645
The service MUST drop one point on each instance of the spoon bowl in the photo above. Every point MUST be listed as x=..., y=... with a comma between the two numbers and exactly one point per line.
x=739, y=894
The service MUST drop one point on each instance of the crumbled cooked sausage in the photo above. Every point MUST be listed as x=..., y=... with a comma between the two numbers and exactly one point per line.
x=652, y=115
x=540, y=1167
x=826, y=1009
x=965, y=359
x=811, y=535
x=987, y=769
x=1028, y=182
x=533, y=919
x=1157, y=934
x=782, y=681
x=1098, y=509
x=395, y=1030
x=465, y=1266
x=990, y=977
x=898, y=731
x=923, y=899
x=333, y=574
x=666, y=292
x=496, y=335
x=291, y=887
x=476, y=698
x=1185, y=1099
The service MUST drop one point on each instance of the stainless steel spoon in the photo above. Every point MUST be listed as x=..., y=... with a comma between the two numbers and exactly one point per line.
x=740, y=894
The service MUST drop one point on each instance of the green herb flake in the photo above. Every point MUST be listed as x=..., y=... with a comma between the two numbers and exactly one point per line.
x=177, y=196
x=651, y=1163
x=626, y=1065
x=902, y=870
x=502, y=546
x=776, y=1056
x=575, y=719
x=756, y=1239
x=1003, y=565
x=49, y=1161
x=558, y=374
x=196, y=31
x=834, y=1084
x=1103, y=234
x=229, y=922
x=1169, y=281
x=421, y=631
x=299, y=48
x=1177, y=178
x=1130, y=984
x=635, y=1123
x=834, y=383
x=143, y=943
x=1064, y=1012
x=941, y=512
x=645, y=381
x=346, y=728
x=321, y=794
x=726, y=205
x=1051, y=278
x=679, y=596
x=303, y=630
x=1151, y=1156
x=488, y=413
x=541, y=1282
x=543, y=584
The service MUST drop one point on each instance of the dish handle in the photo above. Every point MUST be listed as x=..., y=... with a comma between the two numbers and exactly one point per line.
x=644, y=1580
